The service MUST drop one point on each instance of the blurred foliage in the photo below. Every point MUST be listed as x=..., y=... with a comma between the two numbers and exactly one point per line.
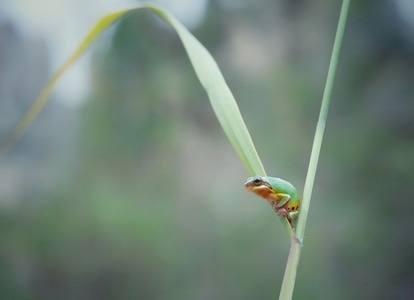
x=149, y=202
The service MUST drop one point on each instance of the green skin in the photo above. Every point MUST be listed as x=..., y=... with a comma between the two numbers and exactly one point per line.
x=280, y=193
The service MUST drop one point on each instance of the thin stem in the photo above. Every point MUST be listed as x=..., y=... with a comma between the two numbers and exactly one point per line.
x=289, y=278
x=320, y=128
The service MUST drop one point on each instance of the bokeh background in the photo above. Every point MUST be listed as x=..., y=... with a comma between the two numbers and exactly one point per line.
x=125, y=187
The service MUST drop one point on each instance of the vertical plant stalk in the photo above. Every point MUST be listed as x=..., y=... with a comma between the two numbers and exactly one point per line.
x=288, y=284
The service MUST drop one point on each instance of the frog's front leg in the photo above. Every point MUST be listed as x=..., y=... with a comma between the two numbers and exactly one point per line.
x=278, y=206
x=284, y=198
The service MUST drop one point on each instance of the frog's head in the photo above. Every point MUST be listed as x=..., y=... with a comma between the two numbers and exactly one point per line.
x=259, y=186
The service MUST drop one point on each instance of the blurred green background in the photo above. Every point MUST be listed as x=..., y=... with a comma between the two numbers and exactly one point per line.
x=136, y=193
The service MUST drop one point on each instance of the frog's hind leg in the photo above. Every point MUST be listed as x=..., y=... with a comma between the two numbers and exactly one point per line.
x=282, y=212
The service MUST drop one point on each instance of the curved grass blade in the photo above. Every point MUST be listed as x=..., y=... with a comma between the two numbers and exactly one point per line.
x=221, y=98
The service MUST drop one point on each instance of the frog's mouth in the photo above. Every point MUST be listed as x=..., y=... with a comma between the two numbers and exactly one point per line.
x=264, y=190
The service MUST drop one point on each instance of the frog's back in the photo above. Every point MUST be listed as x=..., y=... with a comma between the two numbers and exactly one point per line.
x=283, y=186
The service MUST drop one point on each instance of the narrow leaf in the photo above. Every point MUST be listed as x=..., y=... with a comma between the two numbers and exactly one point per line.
x=221, y=98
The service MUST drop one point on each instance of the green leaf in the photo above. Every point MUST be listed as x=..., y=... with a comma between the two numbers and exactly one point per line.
x=221, y=98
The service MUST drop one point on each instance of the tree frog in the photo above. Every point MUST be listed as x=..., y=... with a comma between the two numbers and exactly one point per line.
x=281, y=194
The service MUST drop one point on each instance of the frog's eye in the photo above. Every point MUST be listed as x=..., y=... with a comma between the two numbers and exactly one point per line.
x=257, y=181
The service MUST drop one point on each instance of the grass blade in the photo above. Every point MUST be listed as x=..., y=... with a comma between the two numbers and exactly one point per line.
x=288, y=284
x=221, y=98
